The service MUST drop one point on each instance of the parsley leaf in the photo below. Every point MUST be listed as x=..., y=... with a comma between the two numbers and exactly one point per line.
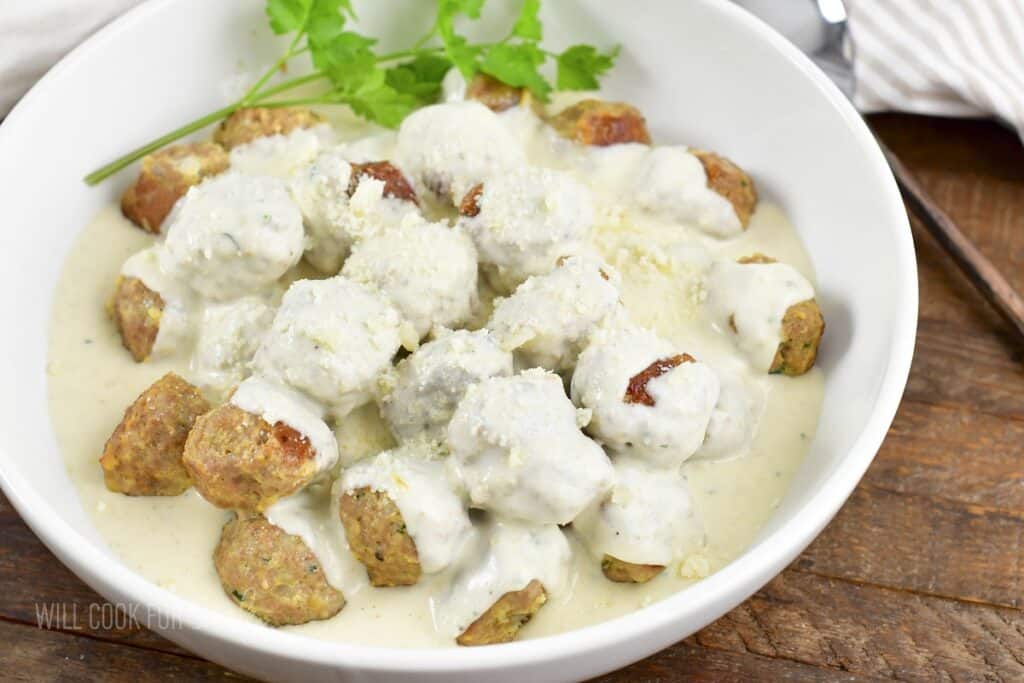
x=518, y=65
x=421, y=77
x=580, y=66
x=287, y=16
x=528, y=24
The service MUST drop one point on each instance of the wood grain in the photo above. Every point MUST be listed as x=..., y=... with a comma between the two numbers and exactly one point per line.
x=919, y=576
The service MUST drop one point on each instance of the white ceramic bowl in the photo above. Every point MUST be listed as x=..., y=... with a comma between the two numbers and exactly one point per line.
x=703, y=71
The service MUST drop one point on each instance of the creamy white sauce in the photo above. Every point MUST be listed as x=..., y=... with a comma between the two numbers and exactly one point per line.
x=181, y=306
x=229, y=335
x=663, y=266
x=281, y=155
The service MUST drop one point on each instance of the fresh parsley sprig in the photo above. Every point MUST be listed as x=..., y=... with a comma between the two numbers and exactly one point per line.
x=385, y=88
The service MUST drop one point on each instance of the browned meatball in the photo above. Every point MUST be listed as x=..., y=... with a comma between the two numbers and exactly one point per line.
x=395, y=184
x=245, y=125
x=600, y=123
x=240, y=461
x=503, y=620
x=621, y=571
x=143, y=455
x=165, y=177
x=273, y=574
x=802, y=329
x=378, y=537
x=732, y=182
x=494, y=94
x=136, y=311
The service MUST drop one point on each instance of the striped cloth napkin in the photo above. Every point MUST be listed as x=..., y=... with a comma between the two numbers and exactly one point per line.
x=946, y=57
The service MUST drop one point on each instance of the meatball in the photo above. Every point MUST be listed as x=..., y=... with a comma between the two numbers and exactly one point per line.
x=730, y=181
x=671, y=182
x=273, y=574
x=646, y=523
x=338, y=207
x=549, y=317
x=420, y=396
x=648, y=399
x=526, y=219
x=427, y=270
x=266, y=444
x=229, y=335
x=379, y=538
x=143, y=455
x=246, y=125
x=165, y=177
x=621, y=571
x=600, y=123
x=506, y=583
x=516, y=445
x=233, y=235
x=331, y=339
x=136, y=311
x=448, y=148
x=494, y=94
x=503, y=620
x=770, y=310
x=402, y=515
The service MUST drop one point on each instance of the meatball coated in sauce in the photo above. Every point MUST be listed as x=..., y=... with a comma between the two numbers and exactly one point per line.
x=494, y=94
x=246, y=125
x=599, y=123
x=273, y=574
x=549, y=318
x=524, y=220
x=448, y=148
x=403, y=515
x=136, y=311
x=143, y=457
x=644, y=403
x=504, y=619
x=421, y=394
x=427, y=270
x=338, y=205
x=229, y=335
x=516, y=445
x=671, y=182
x=331, y=339
x=233, y=235
x=647, y=523
x=165, y=177
x=379, y=537
x=731, y=182
x=240, y=461
x=516, y=568
x=770, y=309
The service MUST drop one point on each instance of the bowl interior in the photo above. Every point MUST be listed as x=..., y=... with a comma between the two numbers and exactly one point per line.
x=702, y=71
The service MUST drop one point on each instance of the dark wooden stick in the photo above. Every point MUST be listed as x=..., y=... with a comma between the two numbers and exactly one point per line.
x=972, y=263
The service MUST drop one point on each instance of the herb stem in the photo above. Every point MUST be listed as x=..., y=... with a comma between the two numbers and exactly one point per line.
x=248, y=97
x=113, y=167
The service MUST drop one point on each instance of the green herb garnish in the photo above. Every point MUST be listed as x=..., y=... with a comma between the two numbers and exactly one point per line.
x=385, y=88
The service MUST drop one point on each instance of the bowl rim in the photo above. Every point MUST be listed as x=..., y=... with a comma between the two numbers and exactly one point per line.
x=712, y=596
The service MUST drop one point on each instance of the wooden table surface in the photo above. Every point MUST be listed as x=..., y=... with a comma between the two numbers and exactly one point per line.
x=918, y=578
